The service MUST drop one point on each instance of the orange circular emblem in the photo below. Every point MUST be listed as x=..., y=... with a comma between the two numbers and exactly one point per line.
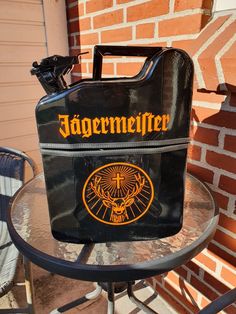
x=118, y=193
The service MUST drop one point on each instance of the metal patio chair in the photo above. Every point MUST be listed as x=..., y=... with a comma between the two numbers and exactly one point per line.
x=220, y=303
x=12, y=177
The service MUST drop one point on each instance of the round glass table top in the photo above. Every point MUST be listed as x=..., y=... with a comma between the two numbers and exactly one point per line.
x=30, y=230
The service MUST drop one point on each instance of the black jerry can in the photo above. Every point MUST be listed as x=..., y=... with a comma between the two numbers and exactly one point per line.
x=114, y=149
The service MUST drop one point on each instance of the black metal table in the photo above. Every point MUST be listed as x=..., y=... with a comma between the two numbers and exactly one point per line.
x=114, y=262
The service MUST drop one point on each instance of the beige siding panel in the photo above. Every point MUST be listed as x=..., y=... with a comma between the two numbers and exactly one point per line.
x=56, y=27
x=11, y=112
x=21, y=11
x=25, y=143
x=36, y=156
x=14, y=74
x=28, y=144
x=21, y=54
x=22, y=33
x=17, y=128
x=28, y=172
x=28, y=1
x=20, y=93
x=22, y=41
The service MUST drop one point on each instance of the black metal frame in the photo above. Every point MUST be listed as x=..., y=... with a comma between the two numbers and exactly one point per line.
x=220, y=303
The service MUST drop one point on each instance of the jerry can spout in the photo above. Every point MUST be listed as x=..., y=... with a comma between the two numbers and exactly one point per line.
x=51, y=70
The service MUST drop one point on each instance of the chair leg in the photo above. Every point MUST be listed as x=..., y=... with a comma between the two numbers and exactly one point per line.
x=29, y=285
x=89, y=296
x=138, y=302
x=110, y=297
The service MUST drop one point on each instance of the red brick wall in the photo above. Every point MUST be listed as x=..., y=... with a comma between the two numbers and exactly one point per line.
x=185, y=24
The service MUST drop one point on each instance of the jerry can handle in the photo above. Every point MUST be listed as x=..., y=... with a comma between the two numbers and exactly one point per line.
x=100, y=51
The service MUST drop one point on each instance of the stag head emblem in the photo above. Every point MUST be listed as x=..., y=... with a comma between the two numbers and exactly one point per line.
x=118, y=205
x=118, y=194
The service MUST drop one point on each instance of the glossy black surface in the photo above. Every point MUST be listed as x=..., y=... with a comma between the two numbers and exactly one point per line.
x=71, y=222
x=162, y=89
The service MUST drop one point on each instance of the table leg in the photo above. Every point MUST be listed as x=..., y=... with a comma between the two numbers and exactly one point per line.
x=89, y=296
x=29, y=285
x=137, y=302
x=110, y=296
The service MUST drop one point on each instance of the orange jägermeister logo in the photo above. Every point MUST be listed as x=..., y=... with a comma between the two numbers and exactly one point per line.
x=85, y=127
x=118, y=193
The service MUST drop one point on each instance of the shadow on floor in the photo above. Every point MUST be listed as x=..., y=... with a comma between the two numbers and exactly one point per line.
x=52, y=291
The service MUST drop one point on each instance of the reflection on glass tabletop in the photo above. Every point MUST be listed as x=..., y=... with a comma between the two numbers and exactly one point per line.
x=30, y=219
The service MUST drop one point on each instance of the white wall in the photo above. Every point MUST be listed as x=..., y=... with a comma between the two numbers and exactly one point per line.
x=220, y=5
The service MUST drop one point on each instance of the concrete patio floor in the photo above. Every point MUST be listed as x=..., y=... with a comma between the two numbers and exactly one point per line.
x=52, y=291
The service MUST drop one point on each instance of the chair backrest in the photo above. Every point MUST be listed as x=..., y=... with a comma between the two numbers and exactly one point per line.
x=220, y=303
x=12, y=171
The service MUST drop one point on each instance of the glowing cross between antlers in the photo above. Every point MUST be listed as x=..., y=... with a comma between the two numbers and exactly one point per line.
x=118, y=178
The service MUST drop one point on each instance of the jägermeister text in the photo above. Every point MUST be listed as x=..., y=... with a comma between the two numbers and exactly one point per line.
x=85, y=127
